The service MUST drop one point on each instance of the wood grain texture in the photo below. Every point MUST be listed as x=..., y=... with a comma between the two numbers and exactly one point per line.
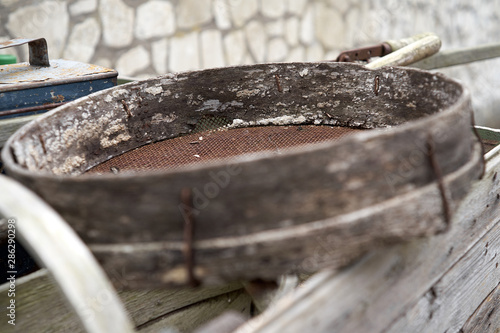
x=271, y=211
x=42, y=308
x=426, y=285
x=148, y=305
x=486, y=318
x=190, y=318
x=459, y=292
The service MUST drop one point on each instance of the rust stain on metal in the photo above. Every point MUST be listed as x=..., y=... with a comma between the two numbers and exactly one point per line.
x=45, y=106
x=38, y=51
x=57, y=98
x=6, y=44
x=364, y=53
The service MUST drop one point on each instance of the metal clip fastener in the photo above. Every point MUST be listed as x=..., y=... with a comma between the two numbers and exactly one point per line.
x=38, y=51
x=188, y=250
x=364, y=53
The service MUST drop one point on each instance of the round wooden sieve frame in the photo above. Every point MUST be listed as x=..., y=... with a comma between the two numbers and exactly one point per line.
x=263, y=214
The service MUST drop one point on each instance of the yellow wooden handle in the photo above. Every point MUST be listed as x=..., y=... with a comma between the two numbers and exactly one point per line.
x=410, y=50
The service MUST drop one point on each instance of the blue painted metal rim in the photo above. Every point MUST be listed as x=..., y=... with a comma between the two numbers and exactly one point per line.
x=48, y=95
x=31, y=85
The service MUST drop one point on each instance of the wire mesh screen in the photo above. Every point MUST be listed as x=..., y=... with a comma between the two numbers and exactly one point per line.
x=209, y=141
x=208, y=123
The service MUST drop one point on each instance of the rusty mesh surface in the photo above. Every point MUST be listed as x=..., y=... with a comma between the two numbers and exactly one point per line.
x=209, y=143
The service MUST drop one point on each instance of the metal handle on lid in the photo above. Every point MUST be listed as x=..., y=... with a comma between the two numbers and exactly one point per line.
x=39, y=54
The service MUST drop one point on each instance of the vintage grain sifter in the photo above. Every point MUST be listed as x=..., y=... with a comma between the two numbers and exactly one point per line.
x=252, y=172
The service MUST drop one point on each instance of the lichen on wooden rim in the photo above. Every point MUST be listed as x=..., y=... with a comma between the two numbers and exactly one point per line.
x=364, y=189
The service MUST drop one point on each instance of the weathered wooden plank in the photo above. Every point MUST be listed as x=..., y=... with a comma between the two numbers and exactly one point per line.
x=487, y=316
x=149, y=305
x=190, y=318
x=42, y=308
x=452, y=300
x=383, y=289
x=69, y=261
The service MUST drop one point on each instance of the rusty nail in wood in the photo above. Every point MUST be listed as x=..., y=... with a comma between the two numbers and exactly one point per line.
x=125, y=107
x=439, y=177
x=187, y=201
x=278, y=84
x=42, y=142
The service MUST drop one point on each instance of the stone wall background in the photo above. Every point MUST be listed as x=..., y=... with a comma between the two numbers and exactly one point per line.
x=146, y=38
